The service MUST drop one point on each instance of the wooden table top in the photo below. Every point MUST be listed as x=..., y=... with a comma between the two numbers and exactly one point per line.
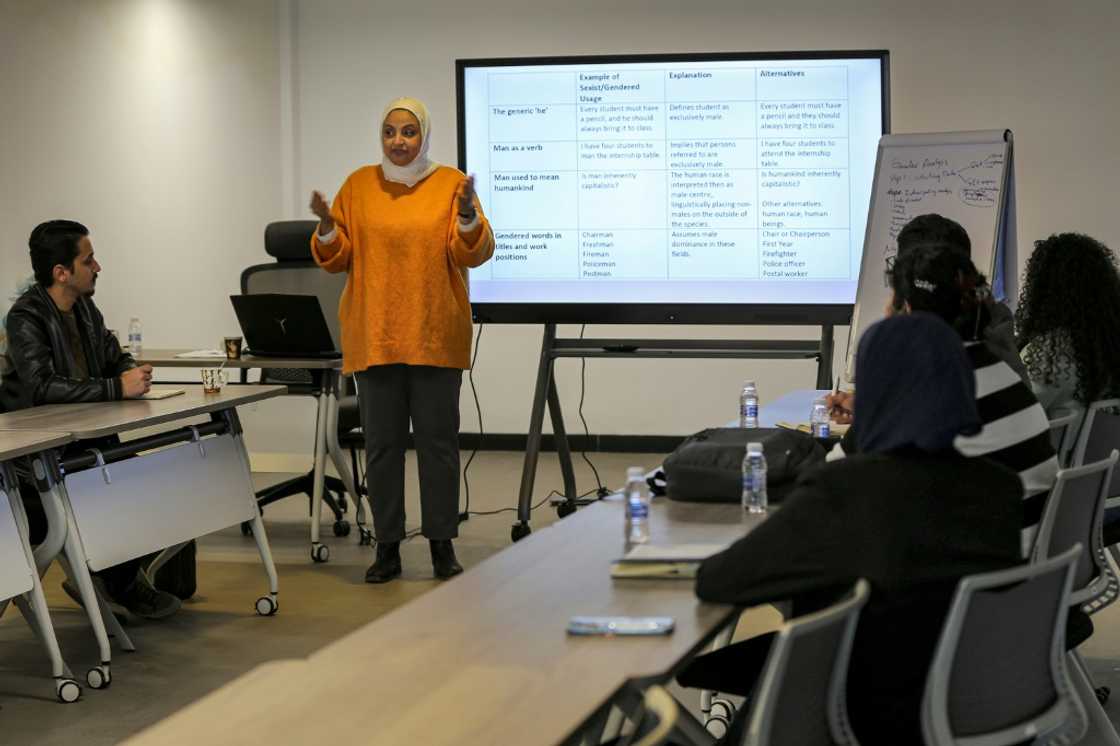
x=98, y=419
x=483, y=659
x=16, y=443
x=166, y=359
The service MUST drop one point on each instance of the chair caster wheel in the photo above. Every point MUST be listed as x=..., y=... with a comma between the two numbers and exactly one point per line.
x=67, y=690
x=565, y=509
x=266, y=606
x=342, y=528
x=99, y=677
x=246, y=529
x=719, y=718
x=365, y=537
x=1102, y=693
x=519, y=531
x=320, y=553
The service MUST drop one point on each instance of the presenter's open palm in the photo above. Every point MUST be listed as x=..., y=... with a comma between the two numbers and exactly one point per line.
x=466, y=196
x=320, y=206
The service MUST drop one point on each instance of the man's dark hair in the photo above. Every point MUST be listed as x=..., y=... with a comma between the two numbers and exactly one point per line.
x=54, y=242
x=935, y=278
x=934, y=230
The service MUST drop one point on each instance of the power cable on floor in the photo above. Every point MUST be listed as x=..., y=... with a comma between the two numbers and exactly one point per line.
x=600, y=490
x=466, y=512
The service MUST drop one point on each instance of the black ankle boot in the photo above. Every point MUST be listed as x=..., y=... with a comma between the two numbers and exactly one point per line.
x=387, y=563
x=443, y=559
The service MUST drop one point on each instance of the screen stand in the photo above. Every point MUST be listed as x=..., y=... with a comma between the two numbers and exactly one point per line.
x=546, y=393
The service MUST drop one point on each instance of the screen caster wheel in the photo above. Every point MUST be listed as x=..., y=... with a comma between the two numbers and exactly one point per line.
x=67, y=690
x=342, y=528
x=519, y=531
x=365, y=537
x=565, y=509
x=99, y=677
x=320, y=553
x=267, y=606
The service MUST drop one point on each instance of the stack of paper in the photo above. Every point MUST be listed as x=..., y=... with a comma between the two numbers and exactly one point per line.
x=202, y=354
x=673, y=561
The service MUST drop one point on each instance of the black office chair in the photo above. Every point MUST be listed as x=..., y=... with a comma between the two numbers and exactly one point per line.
x=295, y=272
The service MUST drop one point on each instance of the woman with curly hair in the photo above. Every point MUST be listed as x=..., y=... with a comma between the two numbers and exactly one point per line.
x=1069, y=323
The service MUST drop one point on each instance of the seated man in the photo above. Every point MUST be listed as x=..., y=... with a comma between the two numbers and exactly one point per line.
x=59, y=351
x=908, y=513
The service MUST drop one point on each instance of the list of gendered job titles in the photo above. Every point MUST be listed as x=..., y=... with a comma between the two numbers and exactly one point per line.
x=731, y=173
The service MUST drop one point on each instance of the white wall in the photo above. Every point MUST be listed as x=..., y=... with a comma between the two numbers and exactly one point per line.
x=156, y=123
x=1044, y=69
x=178, y=129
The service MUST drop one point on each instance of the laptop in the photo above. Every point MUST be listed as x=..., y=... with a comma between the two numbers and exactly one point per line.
x=282, y=325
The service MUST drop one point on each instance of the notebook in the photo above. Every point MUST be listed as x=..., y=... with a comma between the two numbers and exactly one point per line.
x=162, y=394
x=661, y=561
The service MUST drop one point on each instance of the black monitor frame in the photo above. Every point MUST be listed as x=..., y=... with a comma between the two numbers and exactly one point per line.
x=662, y=313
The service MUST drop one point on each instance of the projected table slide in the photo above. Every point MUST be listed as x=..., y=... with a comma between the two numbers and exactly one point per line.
x=693, y=182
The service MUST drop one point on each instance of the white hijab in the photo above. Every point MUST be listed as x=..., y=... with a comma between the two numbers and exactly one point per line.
x=421, y=166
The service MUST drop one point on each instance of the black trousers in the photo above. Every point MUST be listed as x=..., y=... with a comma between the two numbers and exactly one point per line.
x=389, y=397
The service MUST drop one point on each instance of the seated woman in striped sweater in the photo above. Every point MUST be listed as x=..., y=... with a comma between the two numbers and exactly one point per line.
x=1015, y=433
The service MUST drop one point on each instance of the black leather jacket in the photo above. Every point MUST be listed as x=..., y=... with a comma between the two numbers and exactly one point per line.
x=39, y=368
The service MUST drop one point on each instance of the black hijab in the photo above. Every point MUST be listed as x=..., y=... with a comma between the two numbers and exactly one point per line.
x=916, y=386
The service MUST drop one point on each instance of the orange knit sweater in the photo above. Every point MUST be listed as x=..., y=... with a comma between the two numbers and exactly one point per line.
x=406, y=298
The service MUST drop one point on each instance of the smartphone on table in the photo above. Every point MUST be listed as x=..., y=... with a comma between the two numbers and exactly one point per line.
x=620, y=625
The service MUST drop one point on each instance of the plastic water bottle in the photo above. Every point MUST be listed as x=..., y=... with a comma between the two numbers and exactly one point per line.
x=637, y=506
x=754, y=479
x=748, y=405
x=819, y=421
x=135, y=338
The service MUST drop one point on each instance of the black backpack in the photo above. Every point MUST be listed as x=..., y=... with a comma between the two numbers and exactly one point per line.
x=179, y=576
x=707, y=466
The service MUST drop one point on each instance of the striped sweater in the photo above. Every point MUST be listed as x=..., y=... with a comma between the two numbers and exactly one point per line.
x=1016, y=430
x=1015, y=433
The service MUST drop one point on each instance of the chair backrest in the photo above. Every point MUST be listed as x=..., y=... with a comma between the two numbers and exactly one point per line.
x=801, y=694
x=1063, y=437
x=1099, y=434
x=998, y=675
x=658, y=705
x=1074, y=514
x=295, y=272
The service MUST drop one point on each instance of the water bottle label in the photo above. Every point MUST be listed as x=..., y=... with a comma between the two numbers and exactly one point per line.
x=639, y=510
x=823, y=429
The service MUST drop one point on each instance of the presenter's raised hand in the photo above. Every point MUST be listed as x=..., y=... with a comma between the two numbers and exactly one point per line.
x=465, y=194
x=322, y=210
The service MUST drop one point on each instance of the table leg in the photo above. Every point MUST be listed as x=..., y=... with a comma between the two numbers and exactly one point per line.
x=338, y=458
x=319, y=552
x=270, y=604
x=161, y=560
x=76, y=566
x=34, y=608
